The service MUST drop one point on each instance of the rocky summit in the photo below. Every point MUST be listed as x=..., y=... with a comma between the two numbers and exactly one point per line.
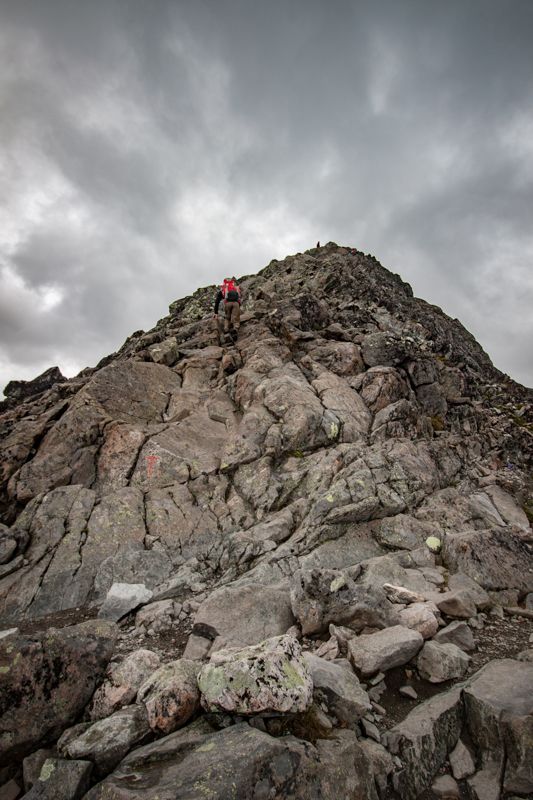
x=295, y=565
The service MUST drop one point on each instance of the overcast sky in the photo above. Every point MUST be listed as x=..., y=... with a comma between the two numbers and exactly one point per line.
x=148, y=148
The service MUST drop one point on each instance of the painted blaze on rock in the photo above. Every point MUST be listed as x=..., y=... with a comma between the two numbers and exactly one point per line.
x=269, y=677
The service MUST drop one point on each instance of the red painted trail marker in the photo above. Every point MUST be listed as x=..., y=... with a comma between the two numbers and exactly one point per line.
x=151, y=463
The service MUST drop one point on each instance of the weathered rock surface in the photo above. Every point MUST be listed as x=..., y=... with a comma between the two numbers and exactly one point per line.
x=321, y=597
x=265, y=678
x=339, y=688
x=499, y=705
x=457, y=633
x=424, y=739
x=61, y=780
x=171, y=695
x=122, y=682
x=353, y=462
x=384, y=650
x=236, y=616
x=441, y=662
x=240, y=762
x=123, y=598
x=46, y=680
x=107, y=741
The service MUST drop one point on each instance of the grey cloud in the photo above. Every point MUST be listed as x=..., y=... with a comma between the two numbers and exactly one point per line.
x=149, y=148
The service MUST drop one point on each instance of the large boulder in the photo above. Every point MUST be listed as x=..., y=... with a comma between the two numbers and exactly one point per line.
x=46, y=680
x=423, y=740
x=266, y=678
x=499, y=704
x=384, y=650
x=323, y=596
x=496, y=558
x=240, y=762
x=234, y=616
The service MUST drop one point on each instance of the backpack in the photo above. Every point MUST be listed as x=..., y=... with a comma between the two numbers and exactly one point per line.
x=230, y=292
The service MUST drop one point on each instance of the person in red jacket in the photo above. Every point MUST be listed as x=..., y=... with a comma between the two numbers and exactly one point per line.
x=230, y=294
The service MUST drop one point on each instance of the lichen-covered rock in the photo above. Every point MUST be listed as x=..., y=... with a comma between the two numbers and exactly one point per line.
x=107, y=741
x=240, y=762
x=265, y=678
x=170, y=695
x=321, y=596
x=60, y=779
x=46, y=680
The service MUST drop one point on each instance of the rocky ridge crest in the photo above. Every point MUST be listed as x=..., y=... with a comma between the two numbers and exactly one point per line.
x=354, y=471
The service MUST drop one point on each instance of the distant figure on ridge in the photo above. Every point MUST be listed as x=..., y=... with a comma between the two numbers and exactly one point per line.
x=318, y=244
x=230, y=293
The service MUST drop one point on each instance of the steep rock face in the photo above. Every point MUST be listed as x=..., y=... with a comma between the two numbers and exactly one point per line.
x=350, y=419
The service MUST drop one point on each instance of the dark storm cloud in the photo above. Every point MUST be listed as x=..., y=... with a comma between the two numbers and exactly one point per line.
x=150, y=147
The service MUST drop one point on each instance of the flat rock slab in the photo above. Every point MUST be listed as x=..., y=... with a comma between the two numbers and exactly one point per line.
x=499, y=704
x=265, y=678
x=123, y=598
x=242, y=615
x=424, y=739
x=494, y=558
x=384, y=650
x=240, y=762
x=46, y=680
x=61, y=780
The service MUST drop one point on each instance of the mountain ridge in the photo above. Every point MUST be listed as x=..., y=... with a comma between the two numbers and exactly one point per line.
x=352, y=478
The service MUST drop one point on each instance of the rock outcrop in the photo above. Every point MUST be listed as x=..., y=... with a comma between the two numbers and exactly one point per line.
x=285, y=529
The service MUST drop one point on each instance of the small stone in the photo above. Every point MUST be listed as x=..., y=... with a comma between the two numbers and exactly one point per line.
x=408, y=691
x=10, y=791
x=123, y=598
x=371, y=730
x=457, y=633
x=461, y=762
x=485, y=784
x=445, y=787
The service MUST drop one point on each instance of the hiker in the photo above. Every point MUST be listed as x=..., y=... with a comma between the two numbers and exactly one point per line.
x=230, y=293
